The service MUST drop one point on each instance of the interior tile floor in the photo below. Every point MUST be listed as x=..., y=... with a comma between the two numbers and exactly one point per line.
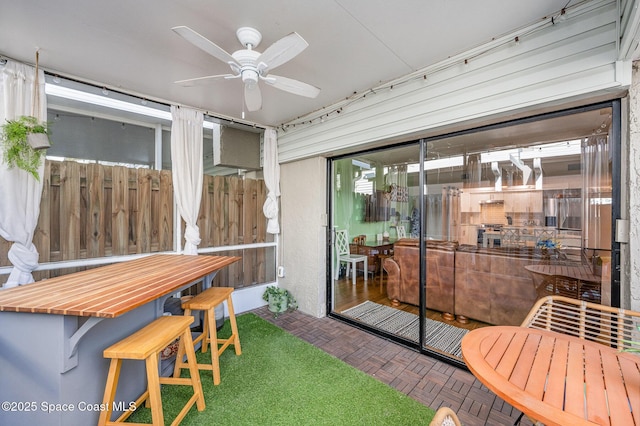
x=425, y=379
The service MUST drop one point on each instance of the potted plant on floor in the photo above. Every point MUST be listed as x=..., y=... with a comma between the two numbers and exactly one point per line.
x=279, y=299
x=24, y=141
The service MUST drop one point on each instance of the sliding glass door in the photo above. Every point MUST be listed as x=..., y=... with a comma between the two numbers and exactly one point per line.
x=470, y=229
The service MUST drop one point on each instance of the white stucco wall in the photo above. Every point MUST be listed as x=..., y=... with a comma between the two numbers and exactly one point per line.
x=303, y=241
x=633, y=189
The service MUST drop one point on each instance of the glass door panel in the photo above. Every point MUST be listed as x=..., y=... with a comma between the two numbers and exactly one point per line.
x=524, y=211
x=374, y=197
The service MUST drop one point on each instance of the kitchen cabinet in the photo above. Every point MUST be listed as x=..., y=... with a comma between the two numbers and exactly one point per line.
x=523, y=202
x=468, y=234
x=516, y=202
x=476, y=199
x=470, y=201
x=535, y=201
x=465, y=202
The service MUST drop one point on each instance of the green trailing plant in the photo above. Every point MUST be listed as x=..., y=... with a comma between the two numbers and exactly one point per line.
x=280, y=300
x=16, y=150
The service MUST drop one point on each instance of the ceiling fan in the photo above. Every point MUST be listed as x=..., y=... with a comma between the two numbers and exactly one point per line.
x=252, y=66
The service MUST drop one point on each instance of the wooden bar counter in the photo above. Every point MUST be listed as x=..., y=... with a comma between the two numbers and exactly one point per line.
x=53, y=332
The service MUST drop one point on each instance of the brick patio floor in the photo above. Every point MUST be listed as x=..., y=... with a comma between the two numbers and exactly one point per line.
x=425, y=379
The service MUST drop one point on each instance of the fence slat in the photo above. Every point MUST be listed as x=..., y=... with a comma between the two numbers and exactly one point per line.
x=120, y=211
x=165, y=212
x=95, y=220
x=70, y=211
x=235, y=194
x=143, y=213
x=249, y=228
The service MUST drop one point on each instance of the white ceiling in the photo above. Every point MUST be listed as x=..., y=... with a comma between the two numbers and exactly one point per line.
x=354, y=45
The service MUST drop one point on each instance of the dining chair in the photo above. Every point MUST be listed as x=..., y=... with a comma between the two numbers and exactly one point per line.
x=510, y=237
x=343, y=252
x=558, y=285
x=402, y=233
x=544, y=234
x=608, y=325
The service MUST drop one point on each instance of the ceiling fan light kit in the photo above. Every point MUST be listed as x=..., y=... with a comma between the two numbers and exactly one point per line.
x=252, y=66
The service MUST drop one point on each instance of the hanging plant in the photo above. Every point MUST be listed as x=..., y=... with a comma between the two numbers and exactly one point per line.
x=24, y=141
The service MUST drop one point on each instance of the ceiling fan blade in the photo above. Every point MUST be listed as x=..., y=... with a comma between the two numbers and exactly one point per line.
x=292, y=86
x=201, y=81
x=283, y=50
x=252, y=97
x=204, y=43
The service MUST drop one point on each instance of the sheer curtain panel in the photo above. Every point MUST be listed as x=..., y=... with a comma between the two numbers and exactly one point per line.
x=271, y=170
x=187, y=170
x=20, y=192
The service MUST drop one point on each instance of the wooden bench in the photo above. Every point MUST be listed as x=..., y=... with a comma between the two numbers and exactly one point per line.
x=614, y=327
x=145, y=344
x=207, y=302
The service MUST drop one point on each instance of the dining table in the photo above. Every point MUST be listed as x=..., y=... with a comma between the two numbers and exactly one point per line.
x=53, y=333
x=576, y=270
x=586, y=285
x=554, y=378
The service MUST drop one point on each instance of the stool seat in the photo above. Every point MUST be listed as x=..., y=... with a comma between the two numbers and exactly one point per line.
x=146, y=344
x=211, y=297
x=207, y=302
x=150, y=339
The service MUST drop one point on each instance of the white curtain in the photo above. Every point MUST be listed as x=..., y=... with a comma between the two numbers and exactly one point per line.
x=20, y=192
x=187, y=170
x=271, y=170
x=596, y=163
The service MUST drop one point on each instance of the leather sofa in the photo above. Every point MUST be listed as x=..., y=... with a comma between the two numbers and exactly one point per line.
x=403, y=271
x=492, y=284
x=486, y=284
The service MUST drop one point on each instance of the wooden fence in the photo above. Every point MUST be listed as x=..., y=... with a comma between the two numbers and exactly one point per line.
x=91, y=210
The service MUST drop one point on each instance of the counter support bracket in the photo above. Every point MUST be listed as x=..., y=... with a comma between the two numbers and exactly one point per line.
x=73, y=334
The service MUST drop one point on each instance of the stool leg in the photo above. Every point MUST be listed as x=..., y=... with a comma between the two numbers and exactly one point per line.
x=110, y=391
x=153, y=384
x=206, y=326
x=234, y=326
x=179, y=363
x=193, y=369
x=213, y=339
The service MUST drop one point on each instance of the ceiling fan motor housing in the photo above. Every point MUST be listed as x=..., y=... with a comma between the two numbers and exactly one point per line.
x=248, y=70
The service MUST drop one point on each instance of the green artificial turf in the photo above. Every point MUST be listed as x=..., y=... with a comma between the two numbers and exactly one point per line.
x=282, y=380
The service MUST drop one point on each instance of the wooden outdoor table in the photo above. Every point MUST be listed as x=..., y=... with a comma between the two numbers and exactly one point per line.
x=53, y=332
x=554, y=378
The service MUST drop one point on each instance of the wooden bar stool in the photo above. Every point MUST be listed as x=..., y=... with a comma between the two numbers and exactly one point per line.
x=207, y=301
x=145, y=344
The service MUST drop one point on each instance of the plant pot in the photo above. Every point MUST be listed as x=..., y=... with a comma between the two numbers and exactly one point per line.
x=275, y=307
x=38, y=140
